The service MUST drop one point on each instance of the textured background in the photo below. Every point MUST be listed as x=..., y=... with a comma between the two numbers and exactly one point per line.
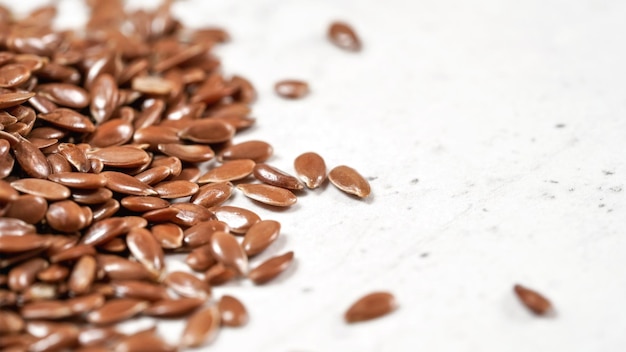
x=494, y=135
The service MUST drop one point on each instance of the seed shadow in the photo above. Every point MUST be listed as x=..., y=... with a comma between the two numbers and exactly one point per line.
x=306, y=192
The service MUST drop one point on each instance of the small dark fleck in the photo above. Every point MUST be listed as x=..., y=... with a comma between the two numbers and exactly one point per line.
x=571, y=190
x=560, y=125
x=372, y=178
x=485, y=210
x=415, y=181
x=424, y=255
x=616, y=189
x=409, y=208
x=553, y=181
x=608, y=173
x=601, y=206
x=307, y=289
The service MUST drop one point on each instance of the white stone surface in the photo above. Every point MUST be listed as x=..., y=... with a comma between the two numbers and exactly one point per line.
x=494, y=133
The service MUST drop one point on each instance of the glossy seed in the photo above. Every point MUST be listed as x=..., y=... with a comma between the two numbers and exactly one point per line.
x=25, y=274
x=311, y=169
x=200, y=233
x=218, y=274
x=201, y=328
x=112, y=133
x=190, y=153
x=31, y=209
x=121, y=156
x=12, y=75
x=213, y=194
x=260, y=236
x=143, y=341
x=58, y=340
x=143, y=203
x=239, y=220
x=343, y=36
x=169, y=308
x=79, y=180
x=139, y=290
x=229, y=171
x=350, y=181
x=22, y=243
x=54, y=273
x=65, y=94
x=151, y=85
x=275, y=177
x=270, y=268
x=83, y=275
x=91, y=197
x=187, y=285
x=533, y=300
x=103, y=102
x=126, y=184
x=169, y=236
x=118, y=268
x=292, y=89
x=154, y=175
x=371, y=306
x=145, y=248
x=201, y=258
x=208, y=131
x=116, y=310
x=271, y=195
x=31, y=159
x=42, y=188
x=233, y=313
x=258, y=151
x=69, y=119
x=8, y=100
x=227, y=250
x=66, y=216
x=176, y=189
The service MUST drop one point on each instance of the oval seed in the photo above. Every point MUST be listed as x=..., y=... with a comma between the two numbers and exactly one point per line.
x=190, y=153
x=271, y=195
x=22, y=243
x=121, y=156
x=201, y=258
x=112, y=133
x=59, y=339
x=213, y=194
x=187, y=285
x=65, y=94
x=533, y=300
x=311, y=169
x=218, y=274
x=31, y=159
x=13, y=75
x=25, y=274
x=47, y=310
x=291, y=89
x=176, y=189
x=229, y=171
x=258, y=151
x=66, y=216
x=28, y=208
x=200, y=233
x=92, y=197
x=170, y=308
x=188, y=214
x=154, y=175
x=104, y=230
x=104, y=93
x=169, y=236
x=151, y=85
x=69, y=120
x=117, y=310
x=53, y=274
x=208, y=131
x=270, y=268
x=343, y=36
x=10, y=323
x=371, y=306
x=155, y=135
x=350, y=181
x=86, y=303
x=142, y=204
x=227, y=250
x=118, y=268
x=139, y=290
x=238, y=219
x=126, y=184
x=8, y=100
x=232, y=312
x=201, y=327
x=80, y=180
x=143, y=341
x=275, y=177
x=260, y=236
x=145, y=248
x=43, y=188
x=83, y=275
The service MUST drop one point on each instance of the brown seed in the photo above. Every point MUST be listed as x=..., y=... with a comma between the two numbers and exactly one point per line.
x=67, y=216
x=151, y=85
x=245, y=90
x=65, y=94
x=311, y=169
x=371, y=306
x=86, y=303
x=75, y=155
x=258, y=151
x=201, y=328
x=190, y=174
x=31, y=159
x=105, y=230
x=126, y=184
x=15, y=227
x=104, y=210
x=83, y=275
x=8, y=100
x=117, y=310
x=145, y=248
x=218, y=274
x=229, y=171
x=190, y=153
x=13, y=75
x=227, y=250
x=112, y=133
x=213, y=194
x=91, y=336
x=188, y=214
x=343, y=36
x=170, y=308
x=103, y=99
x=79, y=180
x=271, y=195
x=73, y=252
x=92, y=197
x=10, y=323
x=160, y=215
x=118, y=268
x=350, y=181
x=143, y=341
x=139, y=290
x=43, y=188
x=22, y=243
x=187, y=285
x=201, y=258
x=155, y=135
x=270, y=268
x=6, y=159
x=143, y=204
x=207, y=131
x=169, y=236
x=176, y=189
x=260, y=236
x=25, y=274
x=173, y=163
x=533, y=300
x=121, y=156
x=154, y=175
x=151, y=113
x=116, y=245
x=239, y=220
x=59, y=339
x=53, y=274
x=58, y=163
x=47, y=310
x=200, y=233
x=292, y=89
x=69, y=119
x=275, y=177
x=31, y=209
x=233, y=313
x=7, y=193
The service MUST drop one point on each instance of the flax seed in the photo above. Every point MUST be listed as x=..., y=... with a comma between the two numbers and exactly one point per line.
x=227, y=250
x=233, y=313
x=239, y=220
x=116, y=310
x=292, y=89
x=271, y=195
x=229, y=171
x=371, y=306
x=201, y=328
x=533, y=300
x=187, y=285
x=260, y=236
x=350, y=181
x=271, y=268
x=170, y=308
x=344, y=37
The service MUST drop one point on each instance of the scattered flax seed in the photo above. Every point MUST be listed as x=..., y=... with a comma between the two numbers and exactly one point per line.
x=292, y=89
x=344, y=37
x=371, y=306
x=533, y=300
